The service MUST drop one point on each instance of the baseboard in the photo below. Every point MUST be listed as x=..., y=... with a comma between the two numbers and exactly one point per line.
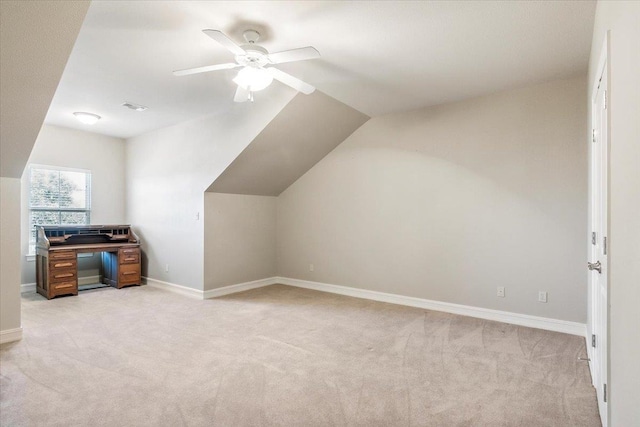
x=10, y=335
x=26, y=288
x=583, y=333
x=172, y=287
x=555, y=325
x=211, y=293
x=240, y=287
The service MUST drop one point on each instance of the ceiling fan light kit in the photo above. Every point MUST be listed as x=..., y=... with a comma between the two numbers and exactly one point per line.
x=257, y=65
x=253, y=79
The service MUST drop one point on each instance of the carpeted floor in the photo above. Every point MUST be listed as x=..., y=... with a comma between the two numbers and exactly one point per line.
x=282, y=356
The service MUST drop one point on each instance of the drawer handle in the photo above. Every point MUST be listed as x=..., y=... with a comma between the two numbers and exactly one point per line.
x=56, y=256
x=63, y=264
x=64, y=286
x=129, y=251
x=127, y=273
x=59, y=276
x=130, y=259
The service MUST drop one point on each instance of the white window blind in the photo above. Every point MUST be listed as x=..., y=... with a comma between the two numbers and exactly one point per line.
x=58, y=196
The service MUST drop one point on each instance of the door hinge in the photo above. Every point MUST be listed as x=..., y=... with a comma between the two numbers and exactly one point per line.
x=593, y=340
x=593, y=237
x=604, y=245
x=593, y=135
x=605, y=99
x=604, y=397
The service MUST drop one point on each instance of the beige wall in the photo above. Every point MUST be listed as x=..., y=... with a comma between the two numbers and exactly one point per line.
x=239, y=239
x=36, y=39
x=70, y=148
x=622, y=19
x=168, y=171
x=9, y=253
x=448, y=203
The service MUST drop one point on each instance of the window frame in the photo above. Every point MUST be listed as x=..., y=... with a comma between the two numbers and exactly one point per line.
x=87, y=210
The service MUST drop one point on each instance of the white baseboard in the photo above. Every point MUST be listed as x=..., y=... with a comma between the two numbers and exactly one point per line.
x=26, y=288
x=211, y=293
x=172, y=287
x=10, y=335
x=555, y=325
x=240, y=287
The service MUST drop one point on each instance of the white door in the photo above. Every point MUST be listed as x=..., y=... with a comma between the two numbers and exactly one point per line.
x=598, y=205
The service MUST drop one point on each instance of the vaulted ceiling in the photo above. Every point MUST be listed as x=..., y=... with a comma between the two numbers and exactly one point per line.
x=302, y=133
x=377, y=57
x=36, y=39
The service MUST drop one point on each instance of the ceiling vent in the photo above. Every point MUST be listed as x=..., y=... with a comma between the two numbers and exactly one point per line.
x=135, y=107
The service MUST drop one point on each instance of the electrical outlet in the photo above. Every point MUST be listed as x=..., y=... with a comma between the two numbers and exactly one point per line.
x=166, y=268
x=500, y=291
x=542, y=296
x=311, y=267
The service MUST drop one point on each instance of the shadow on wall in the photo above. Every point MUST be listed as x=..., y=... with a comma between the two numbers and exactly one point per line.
x=524, y=155
x=303, y=133
x=241, y=204
x=447, y=203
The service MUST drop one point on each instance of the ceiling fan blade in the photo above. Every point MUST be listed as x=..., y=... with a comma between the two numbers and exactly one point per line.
x=242, y=95
x=289, y=80
x=225, y=41
x=300, y=54
x=205, y=69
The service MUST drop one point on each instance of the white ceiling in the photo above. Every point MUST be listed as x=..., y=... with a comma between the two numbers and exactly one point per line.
x=377, y=57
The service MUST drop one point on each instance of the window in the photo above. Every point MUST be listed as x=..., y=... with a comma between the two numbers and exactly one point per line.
x=57, y=196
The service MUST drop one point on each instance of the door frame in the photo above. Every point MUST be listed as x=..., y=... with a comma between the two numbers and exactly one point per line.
x=599, y=374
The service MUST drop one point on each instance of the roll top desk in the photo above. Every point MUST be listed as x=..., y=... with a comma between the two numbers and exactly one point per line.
x=57, y=248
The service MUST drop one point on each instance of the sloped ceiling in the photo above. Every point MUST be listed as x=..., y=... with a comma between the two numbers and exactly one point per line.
x=305, y=131
x=36, y=38
x=378, y=57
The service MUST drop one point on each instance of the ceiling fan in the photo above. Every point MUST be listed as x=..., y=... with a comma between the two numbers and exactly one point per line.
x=257, y=65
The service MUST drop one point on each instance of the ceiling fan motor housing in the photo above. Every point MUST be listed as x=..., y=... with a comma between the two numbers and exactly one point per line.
x=251, y=36
x=255, y=55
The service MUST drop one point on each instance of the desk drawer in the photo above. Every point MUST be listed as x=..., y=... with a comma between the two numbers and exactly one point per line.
x=129, y=256
x=59, y=276
x=129, y=251
x=58, y=264
x=58, y=255
x=129, y=274
x=64, y=288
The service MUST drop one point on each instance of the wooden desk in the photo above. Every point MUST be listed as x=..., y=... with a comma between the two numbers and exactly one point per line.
x=57, y=248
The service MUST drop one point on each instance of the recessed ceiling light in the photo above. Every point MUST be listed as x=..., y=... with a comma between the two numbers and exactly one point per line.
x=135, y=107
x=87, y=118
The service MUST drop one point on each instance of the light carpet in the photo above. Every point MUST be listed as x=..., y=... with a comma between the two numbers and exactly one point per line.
x=282, y=356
